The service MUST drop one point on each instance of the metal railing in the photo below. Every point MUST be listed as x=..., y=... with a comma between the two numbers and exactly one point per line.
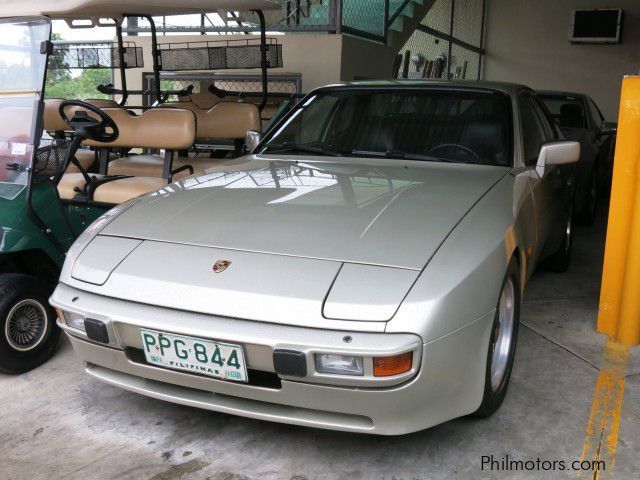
x=371, y=19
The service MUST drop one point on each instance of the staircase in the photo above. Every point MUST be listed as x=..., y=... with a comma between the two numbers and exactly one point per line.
x=368, y=17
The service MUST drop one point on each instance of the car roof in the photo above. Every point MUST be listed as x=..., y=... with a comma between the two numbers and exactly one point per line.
x=509, y=88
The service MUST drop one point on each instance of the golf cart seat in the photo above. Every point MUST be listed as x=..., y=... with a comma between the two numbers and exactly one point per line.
x=170, y=130
x=224, y=121
x=56, y=127
x=155, y=129
x=119, y=191
x=204, y=100
x=103, y=103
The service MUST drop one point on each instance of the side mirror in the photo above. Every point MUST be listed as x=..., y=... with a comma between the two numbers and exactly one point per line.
x=608, y=128
x=252, y=140
x=557, y=153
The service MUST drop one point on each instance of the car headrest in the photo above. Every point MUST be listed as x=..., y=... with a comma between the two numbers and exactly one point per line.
x=170, y=129
x=226, y=120
x=572, y=115
x=486, y=137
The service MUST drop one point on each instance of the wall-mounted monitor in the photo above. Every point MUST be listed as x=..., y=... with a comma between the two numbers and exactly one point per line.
x=596, y=26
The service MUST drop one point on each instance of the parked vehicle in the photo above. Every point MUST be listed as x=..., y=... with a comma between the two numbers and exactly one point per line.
x=58, y=165
x=581, y=120
x=362, y=270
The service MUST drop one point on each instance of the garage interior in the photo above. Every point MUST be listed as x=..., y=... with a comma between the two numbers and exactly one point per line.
x=575, y=392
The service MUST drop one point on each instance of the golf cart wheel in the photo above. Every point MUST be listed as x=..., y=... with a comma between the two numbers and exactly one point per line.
x=28, y=330
x=502, y=343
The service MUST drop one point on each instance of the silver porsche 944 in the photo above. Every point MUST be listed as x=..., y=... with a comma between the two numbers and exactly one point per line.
x=361, y=270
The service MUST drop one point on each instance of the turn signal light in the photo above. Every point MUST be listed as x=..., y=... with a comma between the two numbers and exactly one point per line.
x=388, y=366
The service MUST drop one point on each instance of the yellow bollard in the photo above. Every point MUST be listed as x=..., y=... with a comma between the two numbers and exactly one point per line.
x=619, y=314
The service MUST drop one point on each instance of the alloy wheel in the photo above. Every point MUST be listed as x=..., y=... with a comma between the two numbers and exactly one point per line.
x=503, y=335
x=26, y=325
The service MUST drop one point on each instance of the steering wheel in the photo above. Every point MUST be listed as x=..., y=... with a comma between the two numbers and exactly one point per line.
x=454, y=145
x=87, y=126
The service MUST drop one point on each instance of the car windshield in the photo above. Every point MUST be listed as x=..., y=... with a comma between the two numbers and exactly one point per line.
x=568, y=111
x=22, y=69
x=440, y=125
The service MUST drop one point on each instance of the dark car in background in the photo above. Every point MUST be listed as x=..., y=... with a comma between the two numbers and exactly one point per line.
x=581, y=120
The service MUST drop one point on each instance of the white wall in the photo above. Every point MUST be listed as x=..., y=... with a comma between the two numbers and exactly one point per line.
x=527, y=42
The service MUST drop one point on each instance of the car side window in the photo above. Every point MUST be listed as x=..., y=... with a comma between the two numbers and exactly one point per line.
x=596, y=114
x=535, y=131
x=550, y=125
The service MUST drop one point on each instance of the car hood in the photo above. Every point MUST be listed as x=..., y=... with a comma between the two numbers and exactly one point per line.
x=377, y=212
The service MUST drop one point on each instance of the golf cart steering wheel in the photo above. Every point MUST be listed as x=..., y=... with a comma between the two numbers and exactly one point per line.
x=454, y=145
x=89, y=127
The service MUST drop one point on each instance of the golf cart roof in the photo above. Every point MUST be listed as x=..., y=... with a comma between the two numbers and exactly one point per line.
x=115, y=8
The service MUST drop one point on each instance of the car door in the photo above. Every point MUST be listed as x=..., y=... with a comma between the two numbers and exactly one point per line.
x=546, y=190
x=603, y=144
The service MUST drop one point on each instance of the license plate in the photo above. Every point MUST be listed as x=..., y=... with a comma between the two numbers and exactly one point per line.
x=196, y=355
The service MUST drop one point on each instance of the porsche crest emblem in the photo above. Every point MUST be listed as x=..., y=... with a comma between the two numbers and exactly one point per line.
x=220, y=266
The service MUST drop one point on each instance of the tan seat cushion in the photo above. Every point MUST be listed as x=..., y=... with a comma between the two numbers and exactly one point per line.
x=68, y=183
x=137, y=165
x=159, y=128
x=103, y=102
x=86, y=158
x=224, y=121
x=52, y=120
x=120, y=191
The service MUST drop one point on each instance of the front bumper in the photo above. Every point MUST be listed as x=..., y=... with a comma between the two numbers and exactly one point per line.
x=446, y=382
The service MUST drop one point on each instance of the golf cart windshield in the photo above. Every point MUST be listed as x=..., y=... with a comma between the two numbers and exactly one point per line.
x=22, y=70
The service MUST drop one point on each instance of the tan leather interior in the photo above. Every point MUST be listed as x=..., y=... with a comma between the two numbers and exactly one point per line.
x=68, y=183
x=138, y=166
x=53, y=122
x=172, y=129
x=86, y=158
x=225, y=120
x=204, y=100
x=120, y=191
x=103, y=103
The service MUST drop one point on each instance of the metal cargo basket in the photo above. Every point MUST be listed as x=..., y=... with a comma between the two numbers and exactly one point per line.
x=51, y=158
x=94, y=55
x=218, y=55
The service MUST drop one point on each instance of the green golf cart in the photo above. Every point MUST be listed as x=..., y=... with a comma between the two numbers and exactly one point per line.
x=65, y=163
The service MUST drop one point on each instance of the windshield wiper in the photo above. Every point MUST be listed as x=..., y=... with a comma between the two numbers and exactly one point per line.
x=399, y=155
x=290, y=147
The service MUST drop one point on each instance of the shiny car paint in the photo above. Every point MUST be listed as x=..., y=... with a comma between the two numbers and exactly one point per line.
x=352, y=256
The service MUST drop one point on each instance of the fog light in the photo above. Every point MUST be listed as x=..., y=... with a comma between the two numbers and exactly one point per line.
x=339, y=364
x=395, y=365
x=73, y=320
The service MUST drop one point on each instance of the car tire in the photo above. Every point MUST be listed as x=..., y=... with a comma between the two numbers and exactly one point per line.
x=587, y=215
x=28, y=330
x=560, y=260
x=502, y=343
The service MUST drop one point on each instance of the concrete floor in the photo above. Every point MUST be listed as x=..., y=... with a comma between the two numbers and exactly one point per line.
x=57, y=423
